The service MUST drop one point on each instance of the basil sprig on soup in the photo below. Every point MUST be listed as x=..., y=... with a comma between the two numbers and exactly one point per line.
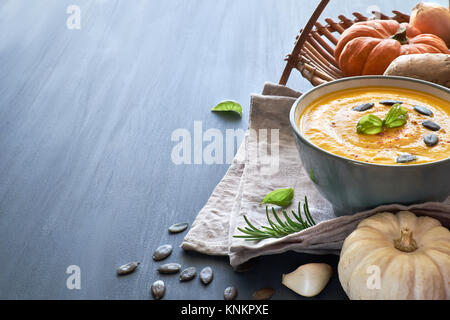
x=396, y=117
x=371, y=124
x=380, y=125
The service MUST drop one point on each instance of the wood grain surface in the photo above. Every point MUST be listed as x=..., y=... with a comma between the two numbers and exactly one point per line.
x=86, y=118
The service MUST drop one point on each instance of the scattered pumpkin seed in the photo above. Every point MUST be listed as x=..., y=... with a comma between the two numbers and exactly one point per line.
x=169, y=268
x=188, y=274
x=423, y=110
x=363, y=107
x=178, y=227
x=431, y=139
x=127, y=268
x=390, y=102
x=263, y=294
x=230, y=293
x=431, y=125
x=206, y=275
x=158, y=289
x=162, y=252
x=406, y=158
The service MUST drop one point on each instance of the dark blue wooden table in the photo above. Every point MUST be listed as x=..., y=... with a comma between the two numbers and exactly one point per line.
x=86, y=117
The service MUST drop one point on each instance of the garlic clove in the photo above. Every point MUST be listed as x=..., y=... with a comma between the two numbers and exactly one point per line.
x=309, y=279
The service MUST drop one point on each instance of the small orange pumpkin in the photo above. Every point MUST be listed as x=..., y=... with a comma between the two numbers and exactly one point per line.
x=369, y=47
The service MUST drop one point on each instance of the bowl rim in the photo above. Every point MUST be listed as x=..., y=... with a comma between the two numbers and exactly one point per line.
x=306, y=140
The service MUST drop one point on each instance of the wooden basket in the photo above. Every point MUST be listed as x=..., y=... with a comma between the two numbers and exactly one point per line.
x=313, y=53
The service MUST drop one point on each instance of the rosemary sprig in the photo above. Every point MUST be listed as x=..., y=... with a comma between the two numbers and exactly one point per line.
x=279, y=228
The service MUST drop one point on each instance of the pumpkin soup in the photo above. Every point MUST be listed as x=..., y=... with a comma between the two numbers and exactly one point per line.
x=380, y=125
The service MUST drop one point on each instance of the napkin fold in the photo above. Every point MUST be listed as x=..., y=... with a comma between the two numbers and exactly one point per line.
x=267, y=160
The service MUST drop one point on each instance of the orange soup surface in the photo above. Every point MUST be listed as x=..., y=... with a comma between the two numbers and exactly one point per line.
x=330, y=123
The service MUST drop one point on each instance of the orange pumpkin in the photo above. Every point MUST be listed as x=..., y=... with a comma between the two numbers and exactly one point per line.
x=369, y=47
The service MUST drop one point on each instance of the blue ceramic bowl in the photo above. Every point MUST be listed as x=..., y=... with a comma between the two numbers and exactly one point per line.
x=353, y=186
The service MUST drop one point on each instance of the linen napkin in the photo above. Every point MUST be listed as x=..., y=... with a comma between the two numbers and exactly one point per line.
x=268, y=159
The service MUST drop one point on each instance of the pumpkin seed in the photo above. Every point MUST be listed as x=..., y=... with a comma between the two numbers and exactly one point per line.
x=423, y=110
x=206, y=275
x=169, y=268
x=158, y=289
x=188, y=274
x=178, y=227
x=230, y=293
x=431, y=125
x=162, y=252
x=363, y=107
x=263, y=294
x=127, y=268
x=390, y=102
x=406, y=158
x=431, y=139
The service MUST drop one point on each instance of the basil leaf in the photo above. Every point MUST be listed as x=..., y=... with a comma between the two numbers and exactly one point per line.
x=369, y=124
x=396, y=117
x=280, y=197
x=228, y=106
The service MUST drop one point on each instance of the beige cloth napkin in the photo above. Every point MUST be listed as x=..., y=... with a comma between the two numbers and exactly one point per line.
x=262, y=165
